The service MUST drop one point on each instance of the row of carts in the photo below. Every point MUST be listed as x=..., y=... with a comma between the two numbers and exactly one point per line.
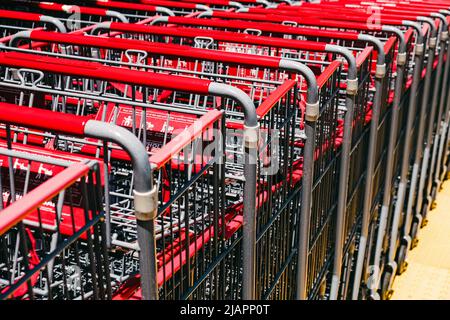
x=213, y=149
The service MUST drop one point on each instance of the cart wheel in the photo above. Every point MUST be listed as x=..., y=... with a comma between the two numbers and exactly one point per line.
x=402, y=263
x=424, y=223
x=323, y=290
x=414, y=230
x=386, y=292
x=424, y=213
x=374, y=296
x=433, y=205
x=447, y=176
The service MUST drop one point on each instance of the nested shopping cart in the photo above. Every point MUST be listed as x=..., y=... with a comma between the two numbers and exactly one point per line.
x=176, y=8
x=366, y=106
x=403, y=55
x=250, y=43
x=52, y=222
x=253, y=44
x=11, y=24
x=191, y=57
x=30, y=245
x=75, y=17
x=338, y=24
x=266, y=108
x=80, y=99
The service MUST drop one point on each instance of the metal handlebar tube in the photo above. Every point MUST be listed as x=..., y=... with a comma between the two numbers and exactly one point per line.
x=312, y=114
x=106, y=26
x=352, y=90
x=15, y=39
x=441, y=162
x=164, y=19
x=251, y=139
x=393, y=132
x=57, y=23
x=407, y=146
x=386, y=204
x=118, y=15
x=145, y=196
x=210, y=13
x=423, y=152
x=145, y=200
x=263, y=2
x=433, y=176
x=166, y=11
x=234, y=4
x=201, y=7
x=379, y=79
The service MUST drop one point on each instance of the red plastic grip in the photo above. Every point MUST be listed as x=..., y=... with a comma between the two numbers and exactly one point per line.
x=42, y=119
x=220, y=36
x=19, y=15
x=187, y=52
x=101, y=72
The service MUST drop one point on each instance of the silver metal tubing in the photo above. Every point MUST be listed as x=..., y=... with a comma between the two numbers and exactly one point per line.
x=311, y=116
x=15, y=39
x=380, y=74
x=401, y=60
x=104, y=26
x=407, y=146
x=165, y=10
x=236, y=4
x=264, y=2
x=206, y=14
x=251, y=138
x=145, y=196
x=202, y=7
x=166, y=19
x=117, y=15
x=352, y=89
x=57, y=23
x=431, y=126
x=422, y=155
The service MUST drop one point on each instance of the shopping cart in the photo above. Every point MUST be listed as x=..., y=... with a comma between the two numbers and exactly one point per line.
x=53, y=223
x=266, y=109
x=349, y=39
x=10, y=24
x=78, y=97
x=76, y=17
x=339, y=24
x=176, y=8
x=80, y=262
x=229, y=42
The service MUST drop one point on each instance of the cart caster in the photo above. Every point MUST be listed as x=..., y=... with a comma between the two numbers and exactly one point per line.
x=402, y=263
x=424, y=223
x=323, y=290
x=374, y=296
x=386, y=292
x=414, y=231
x=433, y=205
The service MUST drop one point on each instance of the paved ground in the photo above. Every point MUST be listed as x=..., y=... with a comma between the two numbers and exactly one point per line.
x=428, y=273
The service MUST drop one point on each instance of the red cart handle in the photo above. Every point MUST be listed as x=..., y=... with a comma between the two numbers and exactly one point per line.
x=101, y=72
x=149, y=47
x=219, y=35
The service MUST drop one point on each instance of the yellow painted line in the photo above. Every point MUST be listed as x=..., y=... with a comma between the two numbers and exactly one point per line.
x=428, y=273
